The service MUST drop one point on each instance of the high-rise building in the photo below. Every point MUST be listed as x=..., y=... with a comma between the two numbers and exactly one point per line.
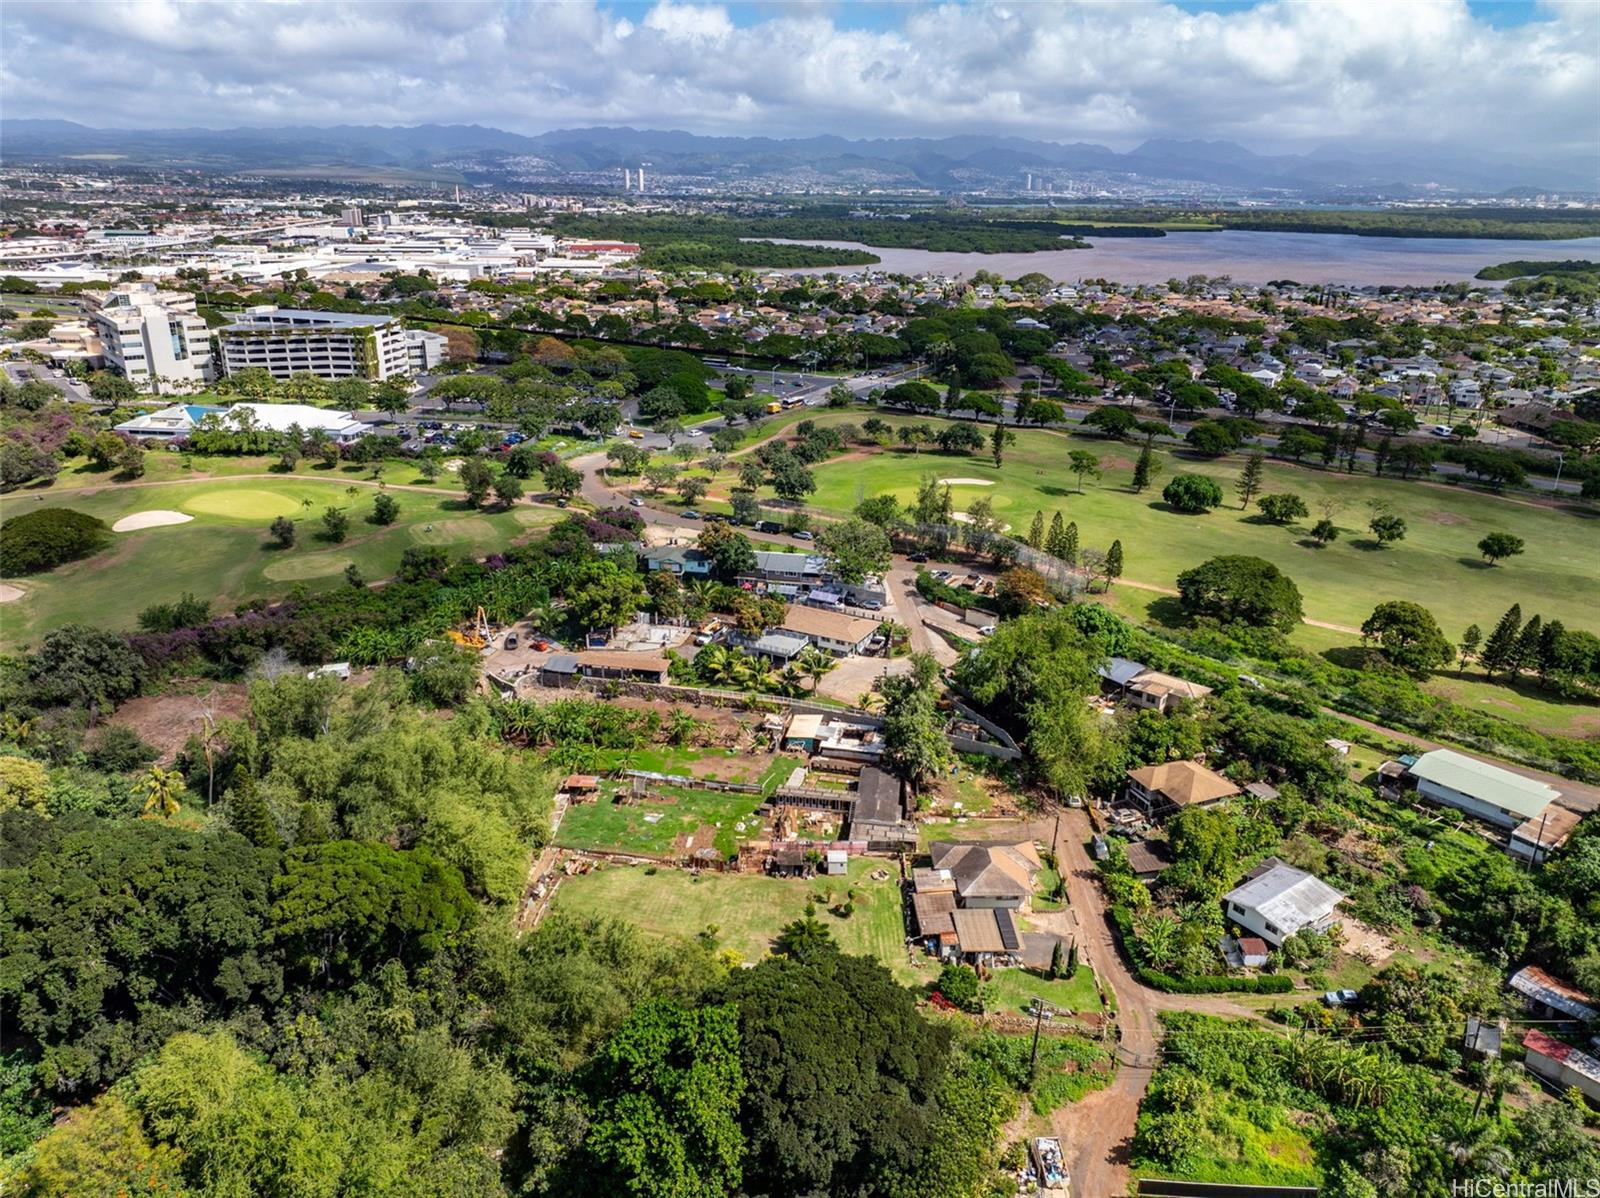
x=330, y=345
x=153, y=337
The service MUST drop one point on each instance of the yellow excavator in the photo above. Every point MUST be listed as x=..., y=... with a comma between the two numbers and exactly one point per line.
x=475, y=636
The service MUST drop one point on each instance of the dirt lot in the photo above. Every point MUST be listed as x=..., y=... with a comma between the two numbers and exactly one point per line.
x=167, y=721
x=855, y=675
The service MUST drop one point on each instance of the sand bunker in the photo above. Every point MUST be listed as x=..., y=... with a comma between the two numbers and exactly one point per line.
x=9, y=593
x=963, y=518
x=155, y=519
x=966, y=482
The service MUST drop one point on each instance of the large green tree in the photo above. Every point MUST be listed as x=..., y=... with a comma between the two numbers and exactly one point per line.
x=1238, y=589
x=1408, y=635
x=663, y=1096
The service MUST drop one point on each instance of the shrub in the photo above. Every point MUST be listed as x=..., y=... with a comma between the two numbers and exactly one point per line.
x=45, y=539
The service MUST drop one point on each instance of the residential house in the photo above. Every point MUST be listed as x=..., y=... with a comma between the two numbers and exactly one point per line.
x=1277, y=900
x=1144, y=687
x=1549, y=997
x=1160, y=790
x=684, y=560
x=835, y=736
x=833, y=632
x=1486, y=791
x=989, y=875
x=1560, y=1064
x=622, y=665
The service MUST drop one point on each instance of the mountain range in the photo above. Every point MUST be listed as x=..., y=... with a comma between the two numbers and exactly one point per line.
x=479, y=154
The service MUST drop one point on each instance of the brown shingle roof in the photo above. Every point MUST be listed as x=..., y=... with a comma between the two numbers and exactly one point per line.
x=622, y=659
x=934, y=912
x=835, y=626
x=1183, y=782
x=988, y=870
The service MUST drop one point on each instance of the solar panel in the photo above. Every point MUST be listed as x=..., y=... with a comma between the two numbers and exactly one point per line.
x=1008, y=930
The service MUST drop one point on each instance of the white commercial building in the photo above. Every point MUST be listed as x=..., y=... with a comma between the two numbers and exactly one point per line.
x=181, y=420
x=330, y=345
x=153, y=337
x=424, y=350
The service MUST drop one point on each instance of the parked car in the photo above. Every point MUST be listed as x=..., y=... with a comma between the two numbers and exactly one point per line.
x=697, y=432
x=1341, y=998
x=870, y=605
x=636, y=434
x=1441, y=430
x=705, y=638
x=986, y=630
x=690, y=515
x=804, y=535
x=635, y=502
x=918, y=557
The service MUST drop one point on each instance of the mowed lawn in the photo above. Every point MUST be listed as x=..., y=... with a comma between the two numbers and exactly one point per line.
x=225, y=553
x=1437, y=564
x=749, y=910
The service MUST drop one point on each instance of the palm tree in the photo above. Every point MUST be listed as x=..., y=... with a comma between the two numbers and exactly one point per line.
x=793, y=681
x=161, y=792
x=681, y=727
x=815, y=664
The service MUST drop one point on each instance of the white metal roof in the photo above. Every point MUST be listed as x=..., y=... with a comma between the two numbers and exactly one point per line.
x=1289, y=897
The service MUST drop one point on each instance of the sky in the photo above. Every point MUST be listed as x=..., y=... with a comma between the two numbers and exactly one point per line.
x=1455, y=76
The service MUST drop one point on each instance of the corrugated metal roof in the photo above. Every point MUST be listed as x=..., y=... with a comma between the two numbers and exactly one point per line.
x=1535, y=983
x=1490, y=783
x=1289, y=897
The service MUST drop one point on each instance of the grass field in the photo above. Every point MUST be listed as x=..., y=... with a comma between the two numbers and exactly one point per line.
x=225, y=555
x=1436, y=565
x=748, y=909
x=650, y=829
x=165, y=466
x=1015, y=990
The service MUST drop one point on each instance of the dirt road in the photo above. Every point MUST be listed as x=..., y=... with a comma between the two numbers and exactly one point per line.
x=1097, y=1134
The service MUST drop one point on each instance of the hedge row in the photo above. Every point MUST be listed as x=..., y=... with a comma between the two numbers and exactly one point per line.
x=1267, y=983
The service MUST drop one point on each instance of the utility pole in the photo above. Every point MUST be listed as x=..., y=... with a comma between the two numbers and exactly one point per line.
x=1040, y=1008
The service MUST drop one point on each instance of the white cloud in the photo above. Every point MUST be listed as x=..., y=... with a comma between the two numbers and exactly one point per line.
x=1282, y=75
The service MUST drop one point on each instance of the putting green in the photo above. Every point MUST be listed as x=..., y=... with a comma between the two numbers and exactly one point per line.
x=316, y=565
x=242, y=504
